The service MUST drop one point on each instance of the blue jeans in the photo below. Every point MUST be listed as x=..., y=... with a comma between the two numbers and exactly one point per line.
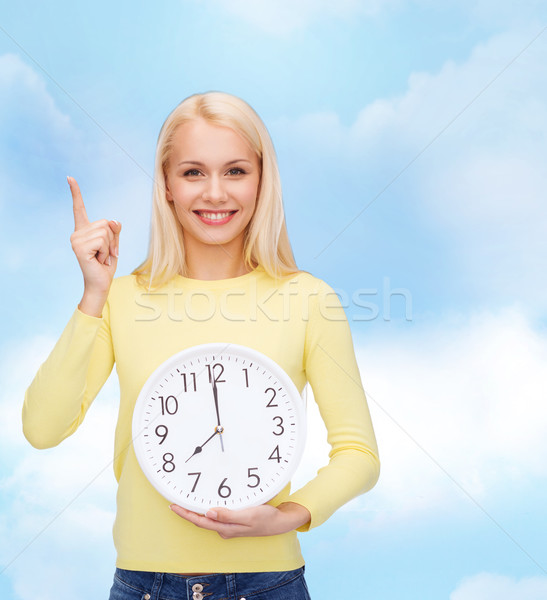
x=145, y=585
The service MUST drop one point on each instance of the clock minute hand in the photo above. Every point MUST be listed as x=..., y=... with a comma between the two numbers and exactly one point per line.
x=215, y=396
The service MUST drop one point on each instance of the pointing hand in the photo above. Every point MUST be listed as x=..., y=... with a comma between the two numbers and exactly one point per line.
x=95, y=245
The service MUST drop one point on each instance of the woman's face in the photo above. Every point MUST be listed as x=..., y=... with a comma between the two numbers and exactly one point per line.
x=212, y=179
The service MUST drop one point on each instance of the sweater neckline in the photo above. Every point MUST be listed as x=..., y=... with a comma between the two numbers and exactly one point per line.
x=219, y=283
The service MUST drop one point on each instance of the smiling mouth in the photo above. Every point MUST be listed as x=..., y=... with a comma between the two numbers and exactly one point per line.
x=214, y=216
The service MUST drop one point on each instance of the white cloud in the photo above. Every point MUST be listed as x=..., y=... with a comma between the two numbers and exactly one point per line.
x=56, y=498
x=466, y=392
x=483, y=182
x=37, y=137
x=40, y=139
x=36, y=134
x=23, y=91
x=478, y=190
x=472, y=393
x=283, y=17
x=490, y=586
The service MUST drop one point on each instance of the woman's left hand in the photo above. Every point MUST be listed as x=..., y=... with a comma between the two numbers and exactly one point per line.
x=249, y=522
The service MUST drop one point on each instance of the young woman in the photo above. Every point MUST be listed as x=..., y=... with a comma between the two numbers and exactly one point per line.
x=218, y=233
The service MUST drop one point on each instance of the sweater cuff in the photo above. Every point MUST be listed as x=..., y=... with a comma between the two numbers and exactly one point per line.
x=302, y=500
x=83, y=317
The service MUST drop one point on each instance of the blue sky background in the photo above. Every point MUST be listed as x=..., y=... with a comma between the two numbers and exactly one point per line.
x=411, y=138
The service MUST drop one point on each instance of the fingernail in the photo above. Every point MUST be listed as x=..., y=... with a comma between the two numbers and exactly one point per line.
x=68, y=178
x=211, y=514
x=116, y=252
x=117, y=222
x=171, y=506
x=109, y=261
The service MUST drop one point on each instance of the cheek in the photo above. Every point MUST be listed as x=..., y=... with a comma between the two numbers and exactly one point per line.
x=251, y=191
x=181, y=211
x=181, y=194
x=180, y=208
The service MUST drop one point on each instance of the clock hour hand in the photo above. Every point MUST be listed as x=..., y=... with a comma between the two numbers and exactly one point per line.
x=218, y=431
x=215, y=396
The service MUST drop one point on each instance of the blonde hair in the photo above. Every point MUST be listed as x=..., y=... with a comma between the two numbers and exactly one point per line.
x=266, y=241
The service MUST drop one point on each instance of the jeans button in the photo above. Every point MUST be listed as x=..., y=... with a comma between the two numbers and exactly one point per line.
x=146, y=597
x=197, y=587
x=197, y=596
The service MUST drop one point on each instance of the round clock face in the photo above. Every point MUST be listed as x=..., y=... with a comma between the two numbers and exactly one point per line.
x=219, y=425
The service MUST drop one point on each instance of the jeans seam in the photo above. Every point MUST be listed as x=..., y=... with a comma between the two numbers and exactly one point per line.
x=129, y=585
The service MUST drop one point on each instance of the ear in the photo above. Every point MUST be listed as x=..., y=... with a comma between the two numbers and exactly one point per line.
x=168, y=194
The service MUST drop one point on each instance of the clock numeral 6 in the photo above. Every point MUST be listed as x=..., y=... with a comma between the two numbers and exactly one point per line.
x=254, y=476
x=275, y=455
x=162, y=431
x=168, y=464
x=270, y=402
x=224, y=491
x=169, y=405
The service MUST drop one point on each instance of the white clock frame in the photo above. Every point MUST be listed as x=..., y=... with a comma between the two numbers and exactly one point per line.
x=260, y=425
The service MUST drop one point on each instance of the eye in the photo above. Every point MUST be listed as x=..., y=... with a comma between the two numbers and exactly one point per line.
x=191, y=173
x=236, y=171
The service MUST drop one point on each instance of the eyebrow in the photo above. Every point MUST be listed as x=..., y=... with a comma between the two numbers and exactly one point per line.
x=200, y=164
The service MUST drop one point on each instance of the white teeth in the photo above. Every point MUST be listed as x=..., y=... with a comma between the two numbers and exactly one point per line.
x=213, y=216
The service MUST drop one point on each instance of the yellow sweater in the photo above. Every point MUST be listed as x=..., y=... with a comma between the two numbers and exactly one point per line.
x=297, y=321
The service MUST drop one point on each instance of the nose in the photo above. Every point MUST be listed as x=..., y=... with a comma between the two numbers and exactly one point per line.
x=215, y=192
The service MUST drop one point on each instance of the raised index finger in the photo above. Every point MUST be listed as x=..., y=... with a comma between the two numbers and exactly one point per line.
x=80, y=215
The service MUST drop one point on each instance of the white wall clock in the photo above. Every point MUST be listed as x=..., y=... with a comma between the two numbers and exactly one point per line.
x=219, y=425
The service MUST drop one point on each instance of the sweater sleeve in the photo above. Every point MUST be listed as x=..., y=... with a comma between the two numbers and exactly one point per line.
x=333, y=374
x=68, y=381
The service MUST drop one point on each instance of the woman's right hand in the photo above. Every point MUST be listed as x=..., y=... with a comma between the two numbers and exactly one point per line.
x=96, y=247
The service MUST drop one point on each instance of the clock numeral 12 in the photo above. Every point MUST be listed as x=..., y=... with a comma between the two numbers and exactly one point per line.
x=213, y=374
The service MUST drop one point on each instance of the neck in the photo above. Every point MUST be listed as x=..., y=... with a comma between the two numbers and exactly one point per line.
x=220, y=265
